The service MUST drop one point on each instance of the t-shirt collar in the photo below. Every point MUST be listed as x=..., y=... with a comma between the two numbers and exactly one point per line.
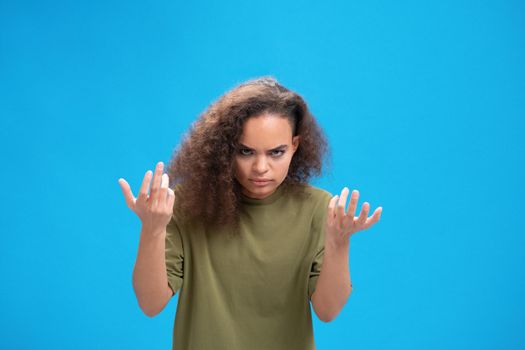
x=267, y=200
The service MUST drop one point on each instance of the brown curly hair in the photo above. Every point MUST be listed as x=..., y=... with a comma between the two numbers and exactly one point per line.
x=203, y=164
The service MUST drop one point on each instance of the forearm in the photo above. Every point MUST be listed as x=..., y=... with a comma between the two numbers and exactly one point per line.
x=150, y=281
x=334, y=285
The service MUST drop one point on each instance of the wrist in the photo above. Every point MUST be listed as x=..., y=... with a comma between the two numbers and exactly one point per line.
x=153, y=232
x=337, y=247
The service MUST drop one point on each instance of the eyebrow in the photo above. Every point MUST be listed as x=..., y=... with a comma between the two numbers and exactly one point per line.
x=280, y=147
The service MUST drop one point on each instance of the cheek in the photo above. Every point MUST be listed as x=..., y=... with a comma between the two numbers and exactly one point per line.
x=283, y=165
x=240, y=168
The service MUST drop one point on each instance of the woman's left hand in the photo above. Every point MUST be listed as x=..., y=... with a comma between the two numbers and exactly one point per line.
x=340, y=225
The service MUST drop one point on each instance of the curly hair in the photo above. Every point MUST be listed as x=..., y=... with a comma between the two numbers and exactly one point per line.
x=203, y=164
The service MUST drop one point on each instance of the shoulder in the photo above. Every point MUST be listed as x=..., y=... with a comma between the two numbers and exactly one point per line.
x=308, y=196
x=178, y=212
x=317, y=200
x=317, y=194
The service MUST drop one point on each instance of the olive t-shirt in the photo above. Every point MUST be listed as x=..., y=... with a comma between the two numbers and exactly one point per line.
x=250, y=290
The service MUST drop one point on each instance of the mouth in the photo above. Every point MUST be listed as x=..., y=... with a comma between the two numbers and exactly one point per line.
x=260, y=182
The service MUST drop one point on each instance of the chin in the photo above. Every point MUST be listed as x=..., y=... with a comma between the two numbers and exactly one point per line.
x=260, y=192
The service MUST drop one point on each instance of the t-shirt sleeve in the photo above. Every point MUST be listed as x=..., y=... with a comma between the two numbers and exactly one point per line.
x=315, y=271
x=318, y=223
x=174, y=255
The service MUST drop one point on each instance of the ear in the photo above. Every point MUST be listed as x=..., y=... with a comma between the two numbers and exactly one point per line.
x=295, y=143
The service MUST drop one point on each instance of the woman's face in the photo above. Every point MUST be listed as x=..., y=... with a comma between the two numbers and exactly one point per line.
x=266, y=147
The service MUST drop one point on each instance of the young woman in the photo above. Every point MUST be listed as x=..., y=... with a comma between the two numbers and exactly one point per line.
x=243, y=237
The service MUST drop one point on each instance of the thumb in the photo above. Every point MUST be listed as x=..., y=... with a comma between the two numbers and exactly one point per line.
x=171, y=198
x=128, y=195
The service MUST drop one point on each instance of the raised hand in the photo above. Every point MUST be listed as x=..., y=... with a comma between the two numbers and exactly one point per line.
x=340, y=225
x=154, y=210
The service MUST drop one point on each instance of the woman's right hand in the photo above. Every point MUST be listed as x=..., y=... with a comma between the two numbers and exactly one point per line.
x=154, y=210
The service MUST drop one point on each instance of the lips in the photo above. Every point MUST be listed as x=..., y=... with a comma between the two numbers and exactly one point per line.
x=260, y=182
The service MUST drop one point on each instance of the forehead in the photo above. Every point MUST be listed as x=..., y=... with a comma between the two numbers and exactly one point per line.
x=266, y=131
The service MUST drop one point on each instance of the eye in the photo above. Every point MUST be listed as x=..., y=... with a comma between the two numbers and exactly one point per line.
x=245, y=152
x=277, y=153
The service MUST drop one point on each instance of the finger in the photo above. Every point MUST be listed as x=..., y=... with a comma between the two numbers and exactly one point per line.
x=341, y=205
x=143, y=193
x=373, y=219
x=353, y=204
x=128, y=194
x=163, y=188
x=168, y=190
x=155, y=186
x=171, y=198
x=364, y=214
x=331, y=209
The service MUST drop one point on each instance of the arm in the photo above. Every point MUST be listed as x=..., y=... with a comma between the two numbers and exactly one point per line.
x=150, y=281
x=333, y=286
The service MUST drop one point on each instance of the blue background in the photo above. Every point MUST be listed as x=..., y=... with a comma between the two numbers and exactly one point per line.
x=423, y=104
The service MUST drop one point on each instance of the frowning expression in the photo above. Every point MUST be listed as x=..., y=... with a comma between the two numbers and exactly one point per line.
x=265, y=151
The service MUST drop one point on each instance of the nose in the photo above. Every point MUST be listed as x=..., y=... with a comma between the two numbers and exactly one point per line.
x=260, y=165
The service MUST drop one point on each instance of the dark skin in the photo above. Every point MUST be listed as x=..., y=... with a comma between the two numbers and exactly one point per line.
x=264, y=133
